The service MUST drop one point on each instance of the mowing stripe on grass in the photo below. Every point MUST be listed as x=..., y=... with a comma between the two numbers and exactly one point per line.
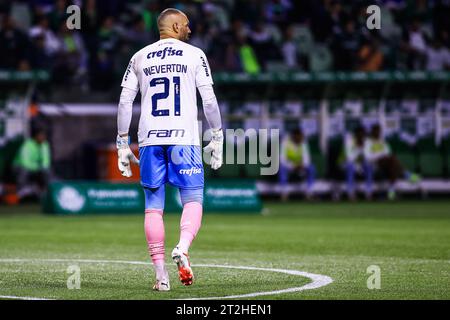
x=318, y=280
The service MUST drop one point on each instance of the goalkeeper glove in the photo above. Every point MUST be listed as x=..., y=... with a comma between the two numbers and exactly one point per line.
x=125, y=155
x=216, y=149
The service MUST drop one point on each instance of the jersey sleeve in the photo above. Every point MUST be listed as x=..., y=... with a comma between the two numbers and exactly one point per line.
x=203, y=75
x=130, y=79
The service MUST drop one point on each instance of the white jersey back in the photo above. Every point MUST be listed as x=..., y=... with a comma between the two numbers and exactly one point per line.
x=168, y=73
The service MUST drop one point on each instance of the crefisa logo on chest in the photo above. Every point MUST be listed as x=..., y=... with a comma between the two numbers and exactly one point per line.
x=167, y=52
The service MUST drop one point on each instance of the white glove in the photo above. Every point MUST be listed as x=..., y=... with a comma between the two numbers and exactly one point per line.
x=125, y=155
x=216, y=149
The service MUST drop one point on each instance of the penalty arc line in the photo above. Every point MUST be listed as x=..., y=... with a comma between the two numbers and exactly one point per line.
x=318, y=280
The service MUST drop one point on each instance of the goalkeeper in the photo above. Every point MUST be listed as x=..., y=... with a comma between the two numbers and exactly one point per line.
x=168, y=74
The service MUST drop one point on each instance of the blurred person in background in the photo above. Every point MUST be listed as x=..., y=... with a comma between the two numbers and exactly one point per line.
x=201, y=38
x=278, y=11
x=261, y=40
x=379, y=157
x=289, y=49
x=71, y=59
x=40, y=59
x=150, y=14
x=353, y=162
x=31, y=165
x=295, y=159
x=14, y=46
x=42, y=29
x=346, y=46
x=415, y=45
x=438, y=57
x=370, y=56
x=107, y=44
x=58, y=13
x=137, y=35
x=248, y=59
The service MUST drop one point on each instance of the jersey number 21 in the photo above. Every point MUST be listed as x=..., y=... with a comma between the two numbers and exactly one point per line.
x=163, y=95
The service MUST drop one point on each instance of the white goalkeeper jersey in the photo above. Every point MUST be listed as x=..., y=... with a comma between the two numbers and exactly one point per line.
x=167, y=73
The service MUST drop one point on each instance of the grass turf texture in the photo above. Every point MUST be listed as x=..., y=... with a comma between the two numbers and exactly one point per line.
x=409, y=241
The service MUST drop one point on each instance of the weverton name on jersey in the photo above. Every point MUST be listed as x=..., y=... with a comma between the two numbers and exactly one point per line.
x=165, y=68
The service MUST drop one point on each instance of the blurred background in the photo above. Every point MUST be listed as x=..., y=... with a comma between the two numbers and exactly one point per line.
x=362, y=113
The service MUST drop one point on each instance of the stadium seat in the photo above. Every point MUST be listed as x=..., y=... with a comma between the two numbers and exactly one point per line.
x=431, y=160
x=335, y=149
x=2, y=162
x=251, y=170
x=317, y=158
x=229, y=170
x=207, y=171
x=405, y=153
x=446, y=155
x=8, y=153
x=320, y=59
x=304, y=39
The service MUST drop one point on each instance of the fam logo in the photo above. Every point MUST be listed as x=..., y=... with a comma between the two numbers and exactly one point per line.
x=168, y=51
x=191, y=171
x=167, y=133
x=70, y=199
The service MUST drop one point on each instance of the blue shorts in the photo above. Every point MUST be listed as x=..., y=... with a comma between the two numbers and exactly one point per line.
x=181, y=166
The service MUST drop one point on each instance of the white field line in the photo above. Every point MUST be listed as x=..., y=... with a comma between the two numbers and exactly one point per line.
x=318, y=280
x=22, y=298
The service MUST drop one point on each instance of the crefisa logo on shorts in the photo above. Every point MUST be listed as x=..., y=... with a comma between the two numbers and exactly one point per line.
x=190, y=171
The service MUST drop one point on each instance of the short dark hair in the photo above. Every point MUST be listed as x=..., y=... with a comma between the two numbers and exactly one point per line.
x=37, y=130
x=376, y=126
x=359, y=130
x=166, y=13
x=297, y=131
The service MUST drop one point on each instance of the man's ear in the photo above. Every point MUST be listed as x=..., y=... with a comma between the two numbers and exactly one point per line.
x=176, y=27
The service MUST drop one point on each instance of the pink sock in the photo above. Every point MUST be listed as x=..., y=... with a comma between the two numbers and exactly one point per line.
x=190, y=223
x=154, y=233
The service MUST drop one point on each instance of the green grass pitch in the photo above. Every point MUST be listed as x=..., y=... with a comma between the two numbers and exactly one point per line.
x=409, y=241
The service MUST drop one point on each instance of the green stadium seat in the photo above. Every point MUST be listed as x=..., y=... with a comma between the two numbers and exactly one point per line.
x=317, y=158
x=253, y=171
x=7, y=155
x=446, y=155
x=431, y=160
x=2, y=162
x=229, y=170
x=405, y=153
x=408, y=160
x=431, y=164
x=304, y=38
x=320, y=58
x=320, y=163
x=208, y=172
